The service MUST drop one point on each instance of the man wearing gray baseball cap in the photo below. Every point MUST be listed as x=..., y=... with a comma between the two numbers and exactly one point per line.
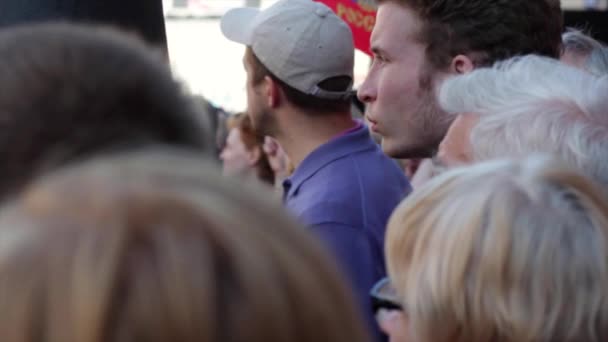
x=299, y=61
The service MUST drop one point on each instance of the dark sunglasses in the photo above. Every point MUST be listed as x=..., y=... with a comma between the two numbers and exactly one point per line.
x=384, y=296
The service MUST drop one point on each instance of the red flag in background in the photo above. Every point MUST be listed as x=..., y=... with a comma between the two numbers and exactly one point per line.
x=360, y=15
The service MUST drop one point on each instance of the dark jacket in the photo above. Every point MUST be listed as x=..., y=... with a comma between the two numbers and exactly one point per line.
x=142, y=16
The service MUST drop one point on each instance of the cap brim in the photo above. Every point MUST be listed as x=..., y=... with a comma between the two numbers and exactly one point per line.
x=237, y=24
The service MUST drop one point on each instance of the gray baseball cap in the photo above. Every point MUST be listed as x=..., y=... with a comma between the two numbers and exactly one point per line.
x=302, y=43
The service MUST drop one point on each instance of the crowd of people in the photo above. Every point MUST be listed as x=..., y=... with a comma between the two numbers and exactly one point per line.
x=468, y=205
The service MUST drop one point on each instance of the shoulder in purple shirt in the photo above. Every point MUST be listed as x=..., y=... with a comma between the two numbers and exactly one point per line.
x=345, y=191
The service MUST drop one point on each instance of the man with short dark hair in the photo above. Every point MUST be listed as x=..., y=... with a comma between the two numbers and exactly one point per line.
x=70, y=92
x=299, y=62
x=417, y=43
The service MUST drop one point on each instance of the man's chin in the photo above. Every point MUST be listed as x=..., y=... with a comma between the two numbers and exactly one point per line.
x=390, y=149
x=403, y=150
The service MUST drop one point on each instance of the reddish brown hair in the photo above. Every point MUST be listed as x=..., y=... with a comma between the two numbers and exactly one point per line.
x=253, y=140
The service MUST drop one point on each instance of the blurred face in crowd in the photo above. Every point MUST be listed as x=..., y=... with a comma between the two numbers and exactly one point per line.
x=399, y=90
x=235, y=157
x=455, y=148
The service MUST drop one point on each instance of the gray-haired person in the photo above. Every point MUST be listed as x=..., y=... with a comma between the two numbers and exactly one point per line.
x=582, y=51
x=531, y=105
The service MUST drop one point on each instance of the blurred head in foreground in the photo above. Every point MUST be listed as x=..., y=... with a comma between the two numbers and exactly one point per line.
x=71, y=92
x=132, y=248
x=502, y=251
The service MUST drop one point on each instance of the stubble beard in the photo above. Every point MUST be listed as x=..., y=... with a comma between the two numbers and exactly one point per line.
x=265, y=124
x=431, y=125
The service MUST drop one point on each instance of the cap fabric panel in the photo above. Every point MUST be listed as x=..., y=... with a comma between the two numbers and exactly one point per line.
x=237, y=25
x=276, y=36
x=301, y=42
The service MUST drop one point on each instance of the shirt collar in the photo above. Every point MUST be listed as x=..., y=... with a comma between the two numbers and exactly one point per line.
x=351, y=141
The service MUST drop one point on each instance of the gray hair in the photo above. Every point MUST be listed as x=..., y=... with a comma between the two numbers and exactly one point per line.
x=531, y=105
x=505, y=251
x=594, y=53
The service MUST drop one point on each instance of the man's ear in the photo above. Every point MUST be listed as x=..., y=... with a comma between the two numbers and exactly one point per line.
x=272, y=92
x=462, y=64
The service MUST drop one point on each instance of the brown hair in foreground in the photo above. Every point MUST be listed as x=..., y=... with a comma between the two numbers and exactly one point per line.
x=70, y=92
x=133, y=248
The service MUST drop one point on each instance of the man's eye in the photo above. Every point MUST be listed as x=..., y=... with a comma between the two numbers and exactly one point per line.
x=379, y=58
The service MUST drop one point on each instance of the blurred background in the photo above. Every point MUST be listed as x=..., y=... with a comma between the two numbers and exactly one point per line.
x=211, y=66
x=207, y=62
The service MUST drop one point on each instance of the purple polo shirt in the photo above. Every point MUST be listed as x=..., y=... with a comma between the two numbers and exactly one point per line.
x=345, y=191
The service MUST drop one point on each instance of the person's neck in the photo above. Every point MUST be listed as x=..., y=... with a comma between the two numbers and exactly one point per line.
x=303, y=133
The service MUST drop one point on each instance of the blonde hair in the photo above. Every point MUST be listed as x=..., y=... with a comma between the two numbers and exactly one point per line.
x=503, y=252
x=157, y=247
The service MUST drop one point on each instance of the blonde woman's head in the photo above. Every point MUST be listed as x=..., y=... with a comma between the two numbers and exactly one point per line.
x=157, y=248
x=503, y=252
